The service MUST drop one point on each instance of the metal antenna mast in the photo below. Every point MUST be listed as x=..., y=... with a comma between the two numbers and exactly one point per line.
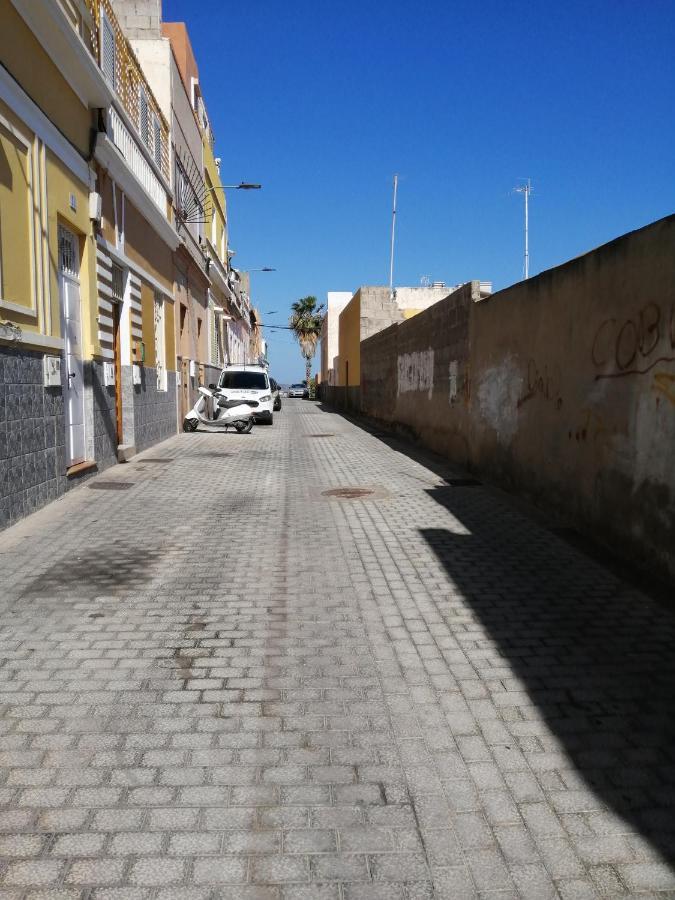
x=526, y=190
x=393, y=232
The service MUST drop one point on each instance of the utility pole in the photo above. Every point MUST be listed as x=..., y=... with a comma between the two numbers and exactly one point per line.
x=526, y=190
x=393, y=232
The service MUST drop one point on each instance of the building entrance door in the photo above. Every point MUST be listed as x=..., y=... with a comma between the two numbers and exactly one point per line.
x=69, y=297
x=184, y=387
x=118, y=372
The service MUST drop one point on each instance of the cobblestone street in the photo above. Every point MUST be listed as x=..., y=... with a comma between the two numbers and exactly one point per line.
x=217, y=681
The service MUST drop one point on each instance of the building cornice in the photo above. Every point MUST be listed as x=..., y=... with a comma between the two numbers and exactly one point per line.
x=123, y=260
x=30, y=113
x=66, y=49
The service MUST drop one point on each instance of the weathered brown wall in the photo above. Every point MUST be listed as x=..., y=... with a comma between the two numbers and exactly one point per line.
x=565, y=389
x=414, y=375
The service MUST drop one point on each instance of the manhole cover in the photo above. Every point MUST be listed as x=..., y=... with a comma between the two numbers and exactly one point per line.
x=463, y=482
x=110, y=485
x=348, y=493
x=327, y=434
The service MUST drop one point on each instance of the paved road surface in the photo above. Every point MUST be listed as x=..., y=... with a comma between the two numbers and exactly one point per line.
x=217, y=682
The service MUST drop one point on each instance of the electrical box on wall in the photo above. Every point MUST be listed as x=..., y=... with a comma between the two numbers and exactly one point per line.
x=136, y=374
x=109, y=374
x=51, y=370
x=194, y=370
x=95, y=206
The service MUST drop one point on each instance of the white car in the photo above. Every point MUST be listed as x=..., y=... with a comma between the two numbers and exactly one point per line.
x=298, y=390
x=249, y=383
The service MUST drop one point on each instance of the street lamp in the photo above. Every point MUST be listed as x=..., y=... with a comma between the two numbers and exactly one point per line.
x=242, y=186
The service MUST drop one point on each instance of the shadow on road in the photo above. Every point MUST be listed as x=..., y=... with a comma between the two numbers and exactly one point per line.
x=595, y=657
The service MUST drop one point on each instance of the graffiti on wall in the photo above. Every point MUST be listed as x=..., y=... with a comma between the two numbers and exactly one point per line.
x=416, y=372
x=544, y=382
x=452, y=378
x=633, y=346
x=498, y=393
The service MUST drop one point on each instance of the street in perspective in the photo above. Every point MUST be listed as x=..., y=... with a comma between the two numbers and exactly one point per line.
x=339, y=565
x=230, y=664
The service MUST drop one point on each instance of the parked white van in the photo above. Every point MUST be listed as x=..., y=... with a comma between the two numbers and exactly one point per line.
x=250, y=383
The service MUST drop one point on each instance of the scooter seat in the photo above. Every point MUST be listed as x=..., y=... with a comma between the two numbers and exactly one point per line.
x=224, y=403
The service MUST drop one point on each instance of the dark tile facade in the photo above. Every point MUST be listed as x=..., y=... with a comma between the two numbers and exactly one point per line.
x=102, y=415
x=32, y=436
x=154, y=411
x=32, y=428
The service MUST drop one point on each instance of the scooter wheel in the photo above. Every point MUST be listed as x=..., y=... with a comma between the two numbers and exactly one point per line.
x=190, y=424
x=244, y=427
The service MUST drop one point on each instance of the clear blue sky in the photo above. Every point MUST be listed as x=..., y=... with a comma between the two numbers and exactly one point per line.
x=323, y=102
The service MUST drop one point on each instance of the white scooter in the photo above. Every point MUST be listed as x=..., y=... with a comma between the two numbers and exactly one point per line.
x=214, y=409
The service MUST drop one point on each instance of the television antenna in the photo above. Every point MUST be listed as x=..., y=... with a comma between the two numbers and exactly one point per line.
x=425, y=281
x=526, y=190
x=393, y=232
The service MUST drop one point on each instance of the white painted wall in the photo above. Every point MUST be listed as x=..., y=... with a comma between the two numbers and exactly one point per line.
x=335, y=303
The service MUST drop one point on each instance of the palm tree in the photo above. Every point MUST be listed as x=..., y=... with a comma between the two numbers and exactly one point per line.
x=306, y=321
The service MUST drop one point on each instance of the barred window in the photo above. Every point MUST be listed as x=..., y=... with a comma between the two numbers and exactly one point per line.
x=117, y=282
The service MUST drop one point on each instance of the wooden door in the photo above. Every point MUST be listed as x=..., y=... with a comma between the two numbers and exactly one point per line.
x=117, y=356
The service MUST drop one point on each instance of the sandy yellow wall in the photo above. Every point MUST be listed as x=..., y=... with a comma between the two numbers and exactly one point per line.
x=16, y=163
x=148, y=312
x=170, y=336
x=219, y=199
x=23, y=56
x=349, y=343
x=144, y=247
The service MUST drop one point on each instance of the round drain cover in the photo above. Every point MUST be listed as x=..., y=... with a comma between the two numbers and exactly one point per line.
x=348, y=493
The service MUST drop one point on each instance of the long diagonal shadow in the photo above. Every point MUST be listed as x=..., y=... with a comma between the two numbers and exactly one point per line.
x=595, y=657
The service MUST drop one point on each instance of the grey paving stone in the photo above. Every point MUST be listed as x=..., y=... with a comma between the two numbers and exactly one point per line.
x=424, y=696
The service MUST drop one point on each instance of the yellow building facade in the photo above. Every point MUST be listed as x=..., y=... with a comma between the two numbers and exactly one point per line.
x=86, y=242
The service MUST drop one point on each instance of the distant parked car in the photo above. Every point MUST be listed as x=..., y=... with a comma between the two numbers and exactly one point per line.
x=276, y=394
x=298, y=390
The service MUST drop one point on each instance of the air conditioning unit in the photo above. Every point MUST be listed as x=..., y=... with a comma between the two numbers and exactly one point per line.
x=95, y=206
x=51, y=370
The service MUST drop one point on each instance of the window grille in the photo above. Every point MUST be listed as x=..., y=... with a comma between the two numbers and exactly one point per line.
x=108, y=54
x=144, y=116
x=69, y=257
x=117, y=283
x=157, y=142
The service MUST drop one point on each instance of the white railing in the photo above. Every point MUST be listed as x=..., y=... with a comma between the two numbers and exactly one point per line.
x=130, y=149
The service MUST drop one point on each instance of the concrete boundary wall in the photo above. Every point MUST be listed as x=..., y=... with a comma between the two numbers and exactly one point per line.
x=561, y=388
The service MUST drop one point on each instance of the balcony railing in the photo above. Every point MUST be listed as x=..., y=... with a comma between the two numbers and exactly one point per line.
x=123, y=72
x=129, y=147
